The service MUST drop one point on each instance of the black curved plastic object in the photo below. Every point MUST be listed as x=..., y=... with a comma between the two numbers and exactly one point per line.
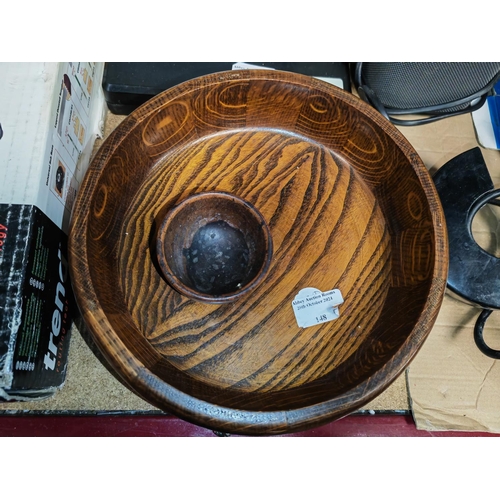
x=478, y=335
x=473, y=274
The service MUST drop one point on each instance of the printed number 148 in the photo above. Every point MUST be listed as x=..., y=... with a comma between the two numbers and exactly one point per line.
x=323, y=317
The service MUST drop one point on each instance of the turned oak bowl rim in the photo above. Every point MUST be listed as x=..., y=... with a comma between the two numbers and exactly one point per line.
x=191, y=292
x=163, y=395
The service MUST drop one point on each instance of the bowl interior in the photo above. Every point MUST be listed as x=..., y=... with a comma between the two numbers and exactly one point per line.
x=349, y=206
x=214, y=247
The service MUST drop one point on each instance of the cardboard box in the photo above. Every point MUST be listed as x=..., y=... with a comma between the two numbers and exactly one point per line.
x=50, y=116
x=451, y=384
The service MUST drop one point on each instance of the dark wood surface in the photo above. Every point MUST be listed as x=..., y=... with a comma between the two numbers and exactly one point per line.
x=350, y=206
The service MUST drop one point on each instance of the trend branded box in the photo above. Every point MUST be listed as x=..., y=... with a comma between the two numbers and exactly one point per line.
x=50, y=116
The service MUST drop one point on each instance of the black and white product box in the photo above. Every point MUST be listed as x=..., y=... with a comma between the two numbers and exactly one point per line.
x=50, y=116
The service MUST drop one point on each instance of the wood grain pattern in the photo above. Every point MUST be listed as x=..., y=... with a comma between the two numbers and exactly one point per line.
x=349, y=205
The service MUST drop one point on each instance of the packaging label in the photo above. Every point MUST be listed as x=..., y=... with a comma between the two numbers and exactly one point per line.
x=70, y=140
x=313, y=307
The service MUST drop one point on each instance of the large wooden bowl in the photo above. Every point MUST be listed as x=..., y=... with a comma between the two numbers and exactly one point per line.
x=350, y=206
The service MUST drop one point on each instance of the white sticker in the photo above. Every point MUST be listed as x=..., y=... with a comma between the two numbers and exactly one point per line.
x=243, y=65
x=313, y=307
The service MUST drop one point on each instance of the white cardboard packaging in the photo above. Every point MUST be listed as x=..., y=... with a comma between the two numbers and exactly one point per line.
x=50, y=116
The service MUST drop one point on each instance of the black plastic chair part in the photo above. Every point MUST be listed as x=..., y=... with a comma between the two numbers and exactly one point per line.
x=431, y=91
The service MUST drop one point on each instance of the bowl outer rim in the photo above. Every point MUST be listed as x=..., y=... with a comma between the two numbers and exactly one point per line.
x=133, y=372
